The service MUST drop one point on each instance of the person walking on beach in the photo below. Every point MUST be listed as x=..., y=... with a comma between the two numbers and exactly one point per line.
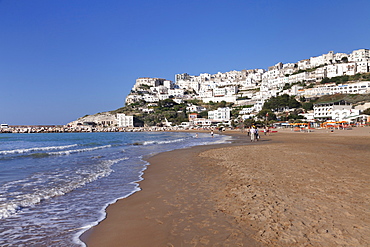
x=257, y=136
x=212, y=133
x=252, y=133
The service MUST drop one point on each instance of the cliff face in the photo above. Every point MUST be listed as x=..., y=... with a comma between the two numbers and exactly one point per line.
x=103, y=119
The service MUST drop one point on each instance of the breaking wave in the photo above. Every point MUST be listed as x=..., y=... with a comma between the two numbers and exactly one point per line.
x=28, y=150
x=28, y=192
x=68, y=152
x=163, y=142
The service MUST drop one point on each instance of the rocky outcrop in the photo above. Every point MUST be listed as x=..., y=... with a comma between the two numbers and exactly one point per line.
x=103, y=119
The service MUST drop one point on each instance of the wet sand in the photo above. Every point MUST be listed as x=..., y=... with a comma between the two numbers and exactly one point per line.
x=288, y=189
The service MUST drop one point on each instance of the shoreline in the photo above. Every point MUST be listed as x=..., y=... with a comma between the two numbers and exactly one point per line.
x=130, y=235
x=213, y=197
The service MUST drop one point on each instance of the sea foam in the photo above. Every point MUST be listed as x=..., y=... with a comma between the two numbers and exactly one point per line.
x=68, y=152
x=45, y=186
x=27, y=150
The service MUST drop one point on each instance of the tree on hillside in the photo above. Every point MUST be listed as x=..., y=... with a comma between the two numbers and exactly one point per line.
x=222, y=104
x=283, y=101
x=235, y=112
x=346, y=78
x=166, y=103
x=203, y=114
x=266, y=114
x=215, y=105
x=307, y=106
x=367, y=111
x=248, y=122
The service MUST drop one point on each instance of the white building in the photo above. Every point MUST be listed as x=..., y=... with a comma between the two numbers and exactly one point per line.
x=201, y=122
x=331, y=70
x=195, y=108
x=248, y=116
x=257, y=84
x=206, y=94
x=341, y=114
x=362, y=87
x=221, y=114
x=362, y=67
x=361, y=55
x=258, y=105
x=177, y=92
x=247, y=110
x=304, y=64
x=346, y=69
x=150, y=98
x=168, y=84
x=320, y=73
x=226, y=98
x=132, y=98
x=300, y=77
x=147, y=110
x=178, y=100
x=219, y=91
x=125, y=121
x=337, y=111
x=147, y=81
x=323, y=59
x=308, y=116
x=163, y=96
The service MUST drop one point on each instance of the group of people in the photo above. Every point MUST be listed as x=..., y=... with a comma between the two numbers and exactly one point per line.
x=254, y=133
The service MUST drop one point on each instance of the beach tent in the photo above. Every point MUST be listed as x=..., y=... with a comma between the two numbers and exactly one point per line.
x=335, y=124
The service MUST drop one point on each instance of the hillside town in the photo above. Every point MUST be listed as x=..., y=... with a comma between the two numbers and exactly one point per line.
x=247, y=91
x=259, y=85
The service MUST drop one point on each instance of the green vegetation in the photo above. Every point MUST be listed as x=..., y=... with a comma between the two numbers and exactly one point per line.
x=169, y=109
x=351, y=98
x=307, y=106
x=309, y=86
x=211, y=106
x=243, y=106
x=242, y=98
x=144, y=86
x=346, y=78
x=289, y=86
x=194, y=101
x=266, y=114
x=272, y=109
x=283, y=101
x=203, y=114
x=367, y=111
x=307, y=70
x=166, y=109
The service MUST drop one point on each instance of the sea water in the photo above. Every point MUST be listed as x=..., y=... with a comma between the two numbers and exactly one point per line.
x=55, y=186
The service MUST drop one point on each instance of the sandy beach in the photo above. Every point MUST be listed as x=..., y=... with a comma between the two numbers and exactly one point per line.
x=288, y=189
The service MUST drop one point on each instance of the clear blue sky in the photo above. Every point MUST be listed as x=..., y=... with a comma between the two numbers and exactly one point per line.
x=63, y=59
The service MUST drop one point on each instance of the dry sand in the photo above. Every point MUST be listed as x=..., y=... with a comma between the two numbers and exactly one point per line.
x=288, y=189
